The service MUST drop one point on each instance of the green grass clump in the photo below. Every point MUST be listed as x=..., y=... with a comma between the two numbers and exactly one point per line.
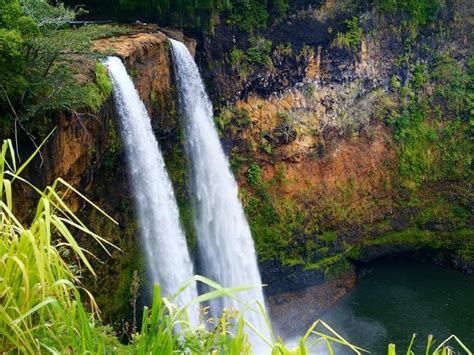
x=259, y=51
x=258, y=54
x=254, y=175
x=102, y=80
x=236, y=57
x=352, y=38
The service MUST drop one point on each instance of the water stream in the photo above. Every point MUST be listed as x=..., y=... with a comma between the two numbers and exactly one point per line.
x=226, y=247
x=163, y=238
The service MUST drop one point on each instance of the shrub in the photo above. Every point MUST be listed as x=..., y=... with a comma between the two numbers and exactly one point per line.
x=236, y=57
x=306, y=53
x=421, y=11
x=254, y=175
x=257, y=54
x=352, y=38
x=433, y=140
x=278, y=7
x=283, y=49
x=248, y=14
x=102, y=80
x=452, y=84
x=259, y=51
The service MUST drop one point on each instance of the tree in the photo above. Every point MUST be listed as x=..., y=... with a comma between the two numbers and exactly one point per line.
x=14, y=26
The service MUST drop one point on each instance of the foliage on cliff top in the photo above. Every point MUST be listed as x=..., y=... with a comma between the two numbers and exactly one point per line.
x=43, y=61
x=204, y=14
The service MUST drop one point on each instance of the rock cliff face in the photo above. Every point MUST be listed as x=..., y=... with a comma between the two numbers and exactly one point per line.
x=311, y=112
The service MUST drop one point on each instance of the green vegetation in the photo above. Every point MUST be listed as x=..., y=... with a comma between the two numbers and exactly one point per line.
x=255, y=14
x=247, y=15
x=421, y=12
x=434, y=133
x=231, y=120
x=306, y=53
x=454, y=85
x=457, y=243
x=44, y=65
x=259, y=51
x=236, y=57
x=102, y=80
x=41, y=307
x=280, y=225
x=352, y=38
x=258, y=54
x=283, y=49
x=254, y=175
x=182, y=13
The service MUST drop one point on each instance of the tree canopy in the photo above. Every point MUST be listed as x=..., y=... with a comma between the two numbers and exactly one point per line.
x=37, y=53
x=246, y=14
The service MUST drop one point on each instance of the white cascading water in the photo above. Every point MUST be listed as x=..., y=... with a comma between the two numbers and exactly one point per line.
x=163, y=238
x=225, y=243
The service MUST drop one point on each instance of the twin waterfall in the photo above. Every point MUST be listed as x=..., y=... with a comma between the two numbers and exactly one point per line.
x=226, y=248
x=163, y=238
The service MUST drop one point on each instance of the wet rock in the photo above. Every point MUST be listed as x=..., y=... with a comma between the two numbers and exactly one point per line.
x=293, y=313
x=280, y=278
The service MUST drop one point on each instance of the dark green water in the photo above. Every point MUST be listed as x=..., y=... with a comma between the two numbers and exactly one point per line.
x=394, y=299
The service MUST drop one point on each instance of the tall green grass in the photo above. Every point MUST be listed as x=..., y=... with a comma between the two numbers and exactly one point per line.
x=45, y=309
x=40, y=302
x=165, y=329
x=444, y=348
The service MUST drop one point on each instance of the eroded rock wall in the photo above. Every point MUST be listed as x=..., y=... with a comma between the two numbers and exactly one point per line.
x=309, y=111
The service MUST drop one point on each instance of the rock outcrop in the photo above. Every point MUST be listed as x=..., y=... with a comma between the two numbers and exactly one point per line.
x=310, y=126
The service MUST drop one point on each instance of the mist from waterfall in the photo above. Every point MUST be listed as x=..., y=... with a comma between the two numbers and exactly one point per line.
x=226, y=247
x=163, y=239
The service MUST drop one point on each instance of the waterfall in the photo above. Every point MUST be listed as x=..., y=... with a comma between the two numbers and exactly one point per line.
x=163, y=238
x=225, y=243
